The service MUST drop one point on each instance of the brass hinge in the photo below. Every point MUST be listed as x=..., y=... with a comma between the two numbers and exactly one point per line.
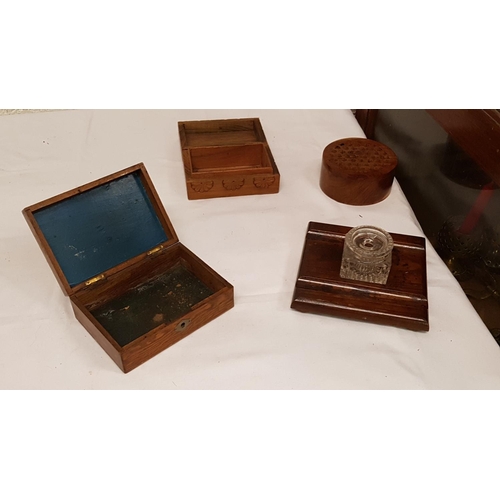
x=155, y=250
x=94, y=280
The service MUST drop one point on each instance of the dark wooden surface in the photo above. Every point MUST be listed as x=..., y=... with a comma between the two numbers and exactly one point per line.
x=367, y=119
x=227, y=158
x=402, y=302
x=475, y=131
x=447, y=158
x=357, y=171
x=118, y=282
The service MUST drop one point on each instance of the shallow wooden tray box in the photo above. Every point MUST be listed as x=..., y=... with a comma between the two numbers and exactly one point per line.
x=401, y=302
x=227, y=158
x=132, y=284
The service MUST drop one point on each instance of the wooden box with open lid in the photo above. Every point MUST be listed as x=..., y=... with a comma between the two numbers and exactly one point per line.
x=132, y=284
x=228, y=157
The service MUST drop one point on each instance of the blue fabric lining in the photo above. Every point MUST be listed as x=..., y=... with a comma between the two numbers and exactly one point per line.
x=98, y=229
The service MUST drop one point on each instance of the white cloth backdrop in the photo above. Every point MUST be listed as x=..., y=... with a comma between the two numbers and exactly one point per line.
x=255, y=242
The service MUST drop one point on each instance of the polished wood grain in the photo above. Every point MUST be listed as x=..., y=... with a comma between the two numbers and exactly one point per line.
x=367, y=119
x=357, y=171
x=402, y=302
x=87, y=297
x=227, y=158
x=477, y=132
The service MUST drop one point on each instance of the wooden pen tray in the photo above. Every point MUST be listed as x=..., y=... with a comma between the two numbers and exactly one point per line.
x=401, y=302
x=227, y=158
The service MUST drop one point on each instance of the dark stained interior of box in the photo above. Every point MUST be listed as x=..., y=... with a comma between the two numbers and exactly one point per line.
x=161, y=299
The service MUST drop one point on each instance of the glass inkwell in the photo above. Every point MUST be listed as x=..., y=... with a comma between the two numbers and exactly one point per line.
x=367, y=255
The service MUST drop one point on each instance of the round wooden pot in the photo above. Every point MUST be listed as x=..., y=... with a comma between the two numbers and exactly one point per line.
x=357, y=171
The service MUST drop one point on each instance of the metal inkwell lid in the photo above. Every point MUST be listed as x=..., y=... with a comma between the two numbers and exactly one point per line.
x=367, y=254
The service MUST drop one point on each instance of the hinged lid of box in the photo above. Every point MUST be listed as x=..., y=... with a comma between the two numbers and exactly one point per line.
x=102, y=227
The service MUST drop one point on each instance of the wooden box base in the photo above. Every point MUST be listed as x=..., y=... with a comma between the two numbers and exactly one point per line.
x=115, y=253
x=402, y=302
x=227, y=158
x=139, y=312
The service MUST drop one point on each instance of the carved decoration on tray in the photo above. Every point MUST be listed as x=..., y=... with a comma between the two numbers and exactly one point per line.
x=233, y=184
x=202, y=186
x=263, y=182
